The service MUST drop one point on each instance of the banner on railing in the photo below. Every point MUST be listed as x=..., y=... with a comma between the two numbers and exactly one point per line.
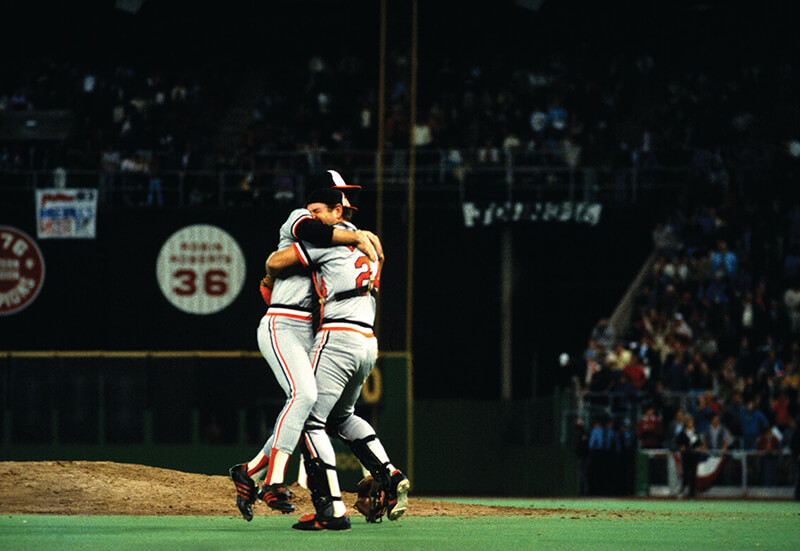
x=541, y=211
x=66, y=213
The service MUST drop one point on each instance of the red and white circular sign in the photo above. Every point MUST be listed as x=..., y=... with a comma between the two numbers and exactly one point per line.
x=201, y=269
x=21, y=270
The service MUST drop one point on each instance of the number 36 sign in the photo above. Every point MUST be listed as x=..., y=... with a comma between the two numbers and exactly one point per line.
x=200, y=269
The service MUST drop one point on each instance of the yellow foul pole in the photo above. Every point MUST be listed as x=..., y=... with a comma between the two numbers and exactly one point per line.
x=381, y=133
x=412, y=162
x=381, y=120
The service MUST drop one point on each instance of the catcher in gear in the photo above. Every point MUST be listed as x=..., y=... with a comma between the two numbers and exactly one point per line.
x=344, y=354
x=285, y=336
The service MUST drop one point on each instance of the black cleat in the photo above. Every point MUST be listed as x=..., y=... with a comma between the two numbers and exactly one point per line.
x=245, y=490
x=398, y=496
x=311, y=522
x=277, y=496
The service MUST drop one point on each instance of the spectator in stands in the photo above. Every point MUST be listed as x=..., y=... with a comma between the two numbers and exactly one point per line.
x=673, y=429
x=650, y=429
x=677, y=373
x=794, y=446
x=603, y=333
x=717, y=292
x=635, y=373
x=753, y=424
x=664, y=239
x=699, y=376
x=703, y=412
x=791, y=264
x=771, y=366
x=729, y=382
x=154, y=184
x=747, y=316
x=593, y=358
x=780, y=410
x=691, y=446
x=747, y=357
x=597, y=457
x=717, y=436
x=775, y=322
x=788, y=433
x=681, y=329
x=648, y=356
x=724, y=260
x=791, y=300
x=707, y=346
x=790, y=382
x=622, y=356
x=769, y=445
x=669, y=300
x=109, y=167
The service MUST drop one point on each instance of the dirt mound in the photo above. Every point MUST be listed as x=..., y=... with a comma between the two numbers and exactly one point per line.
x=107, y=488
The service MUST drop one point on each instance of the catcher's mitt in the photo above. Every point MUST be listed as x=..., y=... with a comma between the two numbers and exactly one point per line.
x=371, y=501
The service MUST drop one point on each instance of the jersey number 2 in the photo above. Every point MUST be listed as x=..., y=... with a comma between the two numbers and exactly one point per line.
x=363, y=277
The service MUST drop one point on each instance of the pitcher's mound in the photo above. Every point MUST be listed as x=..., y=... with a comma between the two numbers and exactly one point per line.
x=107, y=488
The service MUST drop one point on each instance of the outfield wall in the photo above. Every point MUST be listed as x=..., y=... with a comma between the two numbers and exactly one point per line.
x=113, y=293
x=111, y=407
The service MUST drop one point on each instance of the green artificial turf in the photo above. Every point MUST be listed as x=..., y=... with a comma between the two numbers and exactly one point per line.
x=569, y=524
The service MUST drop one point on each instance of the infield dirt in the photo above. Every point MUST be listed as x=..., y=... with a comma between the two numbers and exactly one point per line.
x=107, y=488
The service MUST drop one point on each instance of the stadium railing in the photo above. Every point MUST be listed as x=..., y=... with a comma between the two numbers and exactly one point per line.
x=518, y=176
x=735, y=473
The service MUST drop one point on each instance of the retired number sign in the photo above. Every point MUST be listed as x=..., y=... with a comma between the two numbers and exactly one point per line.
x=21, y=270
x=200, y=269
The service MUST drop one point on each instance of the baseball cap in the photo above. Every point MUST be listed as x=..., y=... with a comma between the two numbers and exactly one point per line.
x=334, y=179
x=326, y=195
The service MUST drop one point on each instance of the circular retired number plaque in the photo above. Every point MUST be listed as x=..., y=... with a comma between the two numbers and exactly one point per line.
x=201, y=269
x=21, y=270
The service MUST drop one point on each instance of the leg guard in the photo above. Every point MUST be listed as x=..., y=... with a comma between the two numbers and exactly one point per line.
x=377, y=468
x=318, y=484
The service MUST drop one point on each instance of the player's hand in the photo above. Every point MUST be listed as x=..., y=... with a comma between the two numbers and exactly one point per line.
x=365, y=245
x=266, y=289
x=376, y=242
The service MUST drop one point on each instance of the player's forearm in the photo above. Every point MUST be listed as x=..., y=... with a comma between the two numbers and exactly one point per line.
x=280, y=260
x=344, y=237
x=358, y=239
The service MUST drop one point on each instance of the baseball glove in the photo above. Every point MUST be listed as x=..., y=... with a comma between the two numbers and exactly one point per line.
x=371, y=500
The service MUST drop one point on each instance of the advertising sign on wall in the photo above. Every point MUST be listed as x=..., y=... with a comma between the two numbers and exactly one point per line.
x=66, y=213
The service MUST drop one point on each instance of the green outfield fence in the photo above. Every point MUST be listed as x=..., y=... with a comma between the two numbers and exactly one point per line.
x=177, y=409
x=186, y=410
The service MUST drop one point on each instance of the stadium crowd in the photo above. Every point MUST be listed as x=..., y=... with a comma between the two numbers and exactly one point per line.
x=569, y=108
x=714, y=335
x=123, y=109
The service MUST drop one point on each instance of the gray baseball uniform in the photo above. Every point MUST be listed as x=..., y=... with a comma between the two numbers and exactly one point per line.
x=285, y=336
x=345, y=348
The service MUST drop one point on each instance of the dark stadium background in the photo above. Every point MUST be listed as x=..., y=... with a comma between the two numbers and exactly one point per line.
x=567, y=276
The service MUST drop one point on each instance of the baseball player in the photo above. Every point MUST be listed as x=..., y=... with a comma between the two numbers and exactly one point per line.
x=345, y=351
x=285, y=337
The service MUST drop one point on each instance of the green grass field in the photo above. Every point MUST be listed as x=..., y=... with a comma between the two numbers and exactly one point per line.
x=585, y=524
